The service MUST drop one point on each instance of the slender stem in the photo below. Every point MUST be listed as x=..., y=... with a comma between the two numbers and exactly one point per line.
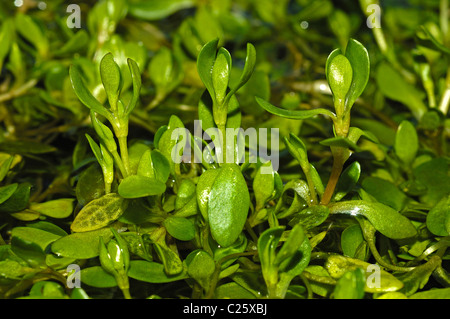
x=119, y=164
x=18, y=91
x=382, y=262
x=338, y=165
x=445, y=100
x=444, y=19
x=222, y=142
x=124, y=153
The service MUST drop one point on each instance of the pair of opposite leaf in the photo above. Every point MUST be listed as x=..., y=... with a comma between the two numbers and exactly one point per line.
x=113, y=84
x=347, y=74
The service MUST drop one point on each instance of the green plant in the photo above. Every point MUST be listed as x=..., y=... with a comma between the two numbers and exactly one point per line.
x=109, y=189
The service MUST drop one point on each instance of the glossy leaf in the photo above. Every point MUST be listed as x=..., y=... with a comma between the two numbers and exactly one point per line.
x=7, y=191
x=152, y=272
x=406, y=142
x=84, y=94
x=337, y=266
x=358, y=57
x=96, y=276
x=220, y=74
x=201, y=267
x=350, y=285
x=385, y=192
x=395, y=87
x=111, y=79
x=58, y=208
x=180, y=228
x=293, y=114
x=263, y=185
x=99, y=213
x=137, y=83
x=347, y=180
x=203, y=190
x=385, y=219
x=311, y=217
x=81, y=245
x=352, y=242
x=339, y=76
x=136, y=186
x=18, y=200
x=228, y=205
x=438, y=218
x=205, y=64
x=249, y=66
x=31, y=243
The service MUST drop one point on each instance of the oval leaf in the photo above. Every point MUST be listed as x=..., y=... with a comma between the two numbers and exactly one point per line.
x=136, y=186
x=228, y=205
x=99, y=213
x=385, y=219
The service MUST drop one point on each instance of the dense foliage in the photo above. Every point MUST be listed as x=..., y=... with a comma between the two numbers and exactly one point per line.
x=109, y=189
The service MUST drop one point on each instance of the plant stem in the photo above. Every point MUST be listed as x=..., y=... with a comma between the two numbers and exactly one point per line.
x=445, y=100
x=119, y=164
x=338, y=164
x=124, y=154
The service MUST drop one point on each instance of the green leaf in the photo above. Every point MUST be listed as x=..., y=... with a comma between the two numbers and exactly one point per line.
x=395, y=87
x=203, y=190
x=339, y=76
x=26, y=147
x=31, y=243
x=347, y=180
x=228, y=205
x=152, y=272
x=350, y=285
x=293, y=114
x=297, y=149
x=340, y=141
x=221, y=74
x=172, y=142
x=264, y=184
x=352, y=241
x=83, y=245
x=137, y=83
x=358, y=57
x=290, y=246
x=385, y=219
x=136, y=186
x=205, y=65
x=201, y=267
x=99, y=213
x=90, y=185
x=385, y=192
x=432, y=294
x=18, y=200
x=434, y=175
x=406, y=142
x=83, y=94
x=111, y=79
x=438, y=218
x=31, y=31
x=338, y=265
x=250, y=61
x=7, y=191
x=58, y=208
x=180, y=228
x=157, y=9
x=96, y=276
x=311, y=217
